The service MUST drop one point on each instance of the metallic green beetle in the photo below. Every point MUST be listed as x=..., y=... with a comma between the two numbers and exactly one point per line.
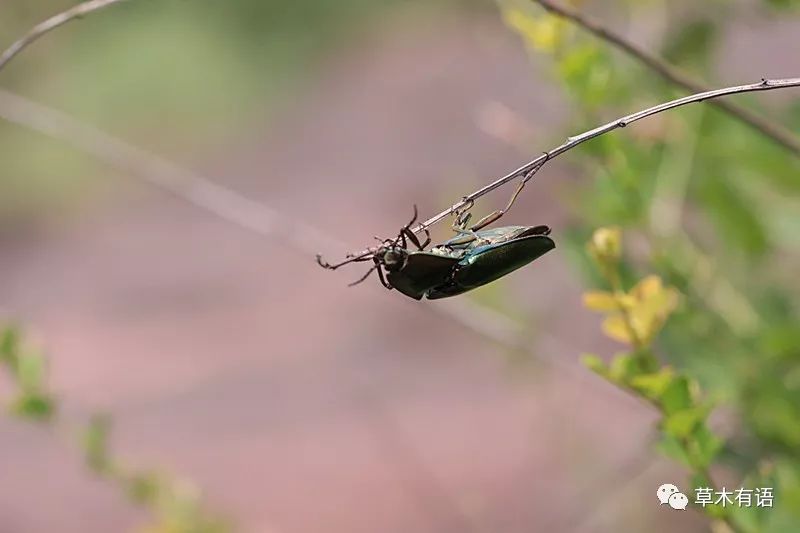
x=458, y=265
x=493, y=254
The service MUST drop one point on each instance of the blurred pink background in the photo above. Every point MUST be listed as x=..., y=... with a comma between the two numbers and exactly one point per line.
x=301, y=405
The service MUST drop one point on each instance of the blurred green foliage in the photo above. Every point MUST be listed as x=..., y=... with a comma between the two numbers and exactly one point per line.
x=175, y=505
x=635, y=317
x=27, y=369
x=713, y=207
x=172, y=76
x=714, y=203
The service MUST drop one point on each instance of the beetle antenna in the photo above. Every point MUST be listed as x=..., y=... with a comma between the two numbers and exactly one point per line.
x=364, y=277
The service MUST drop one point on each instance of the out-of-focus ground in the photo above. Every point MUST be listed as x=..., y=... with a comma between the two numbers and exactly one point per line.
x=302, y=405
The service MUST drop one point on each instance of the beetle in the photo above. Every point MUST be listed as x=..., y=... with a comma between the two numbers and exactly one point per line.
x=472, y=259
x=411, y=272
x=493, y=254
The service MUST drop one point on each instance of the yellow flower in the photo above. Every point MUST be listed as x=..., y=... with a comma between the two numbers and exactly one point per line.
x=637, y=316
x=606, y=245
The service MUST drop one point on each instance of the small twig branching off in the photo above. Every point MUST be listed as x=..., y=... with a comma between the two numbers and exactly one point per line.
x=193, y=188
x=674, y=75
x=50, y=24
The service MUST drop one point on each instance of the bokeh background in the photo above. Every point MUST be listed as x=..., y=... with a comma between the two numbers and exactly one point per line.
x=227, y=357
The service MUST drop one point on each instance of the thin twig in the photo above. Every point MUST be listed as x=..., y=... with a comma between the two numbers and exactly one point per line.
x=191, y=187
x=50, y=24
x=770, y=129
x=572, y=142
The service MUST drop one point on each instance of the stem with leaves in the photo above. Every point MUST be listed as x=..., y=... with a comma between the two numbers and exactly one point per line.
x=635, y=317
x=176, y=506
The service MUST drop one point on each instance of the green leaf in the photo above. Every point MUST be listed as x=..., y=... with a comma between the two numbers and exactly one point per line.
x=95, y=442
x=595, y=364
x=31, y=371
x=672, y=448
x=622, y=368
x=705, y=445
x=676, y=397
x=699, y=479
x=144, y=488
x=33, y=406
x=682, y=423
x=9, y=345
x=655, y=384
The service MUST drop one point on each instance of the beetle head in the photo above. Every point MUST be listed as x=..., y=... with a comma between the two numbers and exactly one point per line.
x=391, y=256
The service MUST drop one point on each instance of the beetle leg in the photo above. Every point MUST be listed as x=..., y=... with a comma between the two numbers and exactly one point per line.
x=459, y=225
x=355, y=259
x=462, y=215
x=468, y=203
x=365, y=276
x=406, y=233
x=383, y=279
x=414, y=239
x=414, y=218
x=494, y=217
x=467, y=235
x=427, y=239
x=462, y=221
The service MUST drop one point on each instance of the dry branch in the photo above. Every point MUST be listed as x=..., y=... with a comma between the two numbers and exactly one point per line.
x=572, y=142
x=50, y=24
x=674, y=75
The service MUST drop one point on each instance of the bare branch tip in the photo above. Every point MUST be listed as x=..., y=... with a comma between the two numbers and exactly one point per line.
x=75, y=12
x=674, y=75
